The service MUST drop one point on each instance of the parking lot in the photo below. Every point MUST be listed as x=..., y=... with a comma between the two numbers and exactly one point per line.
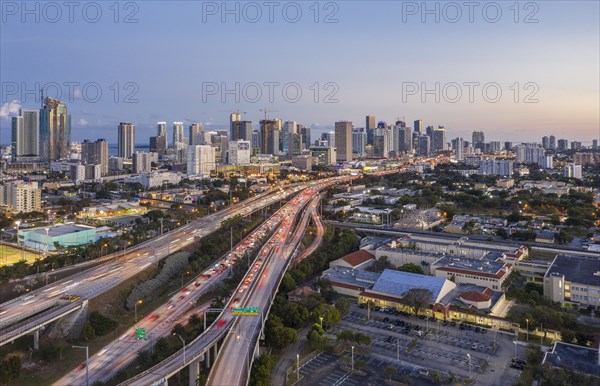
x=325, y=370
x=447, y=347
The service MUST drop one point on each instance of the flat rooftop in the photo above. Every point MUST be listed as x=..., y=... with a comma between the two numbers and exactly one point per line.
x=398, y=283
x=476, y=265
x=578, y=358
x=61, y=230
x=576, y=269
x=350, y=276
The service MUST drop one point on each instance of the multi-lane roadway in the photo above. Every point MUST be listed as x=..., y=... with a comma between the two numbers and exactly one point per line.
x=16, y=315
x=255, y=290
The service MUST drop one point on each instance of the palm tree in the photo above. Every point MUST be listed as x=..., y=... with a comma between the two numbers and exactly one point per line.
x=178, y=329
x=194, y=320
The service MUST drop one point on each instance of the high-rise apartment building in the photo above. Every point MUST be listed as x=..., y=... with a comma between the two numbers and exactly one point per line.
x=21, y=197
x=126, y=140
x=439, y=139
x=305, y=134
x=201, y=160
x=563, y=144
x=95, y=153
x=478, y=137
x=269, y=136
x=26, y=134
x=142, y=162
x=195, y=134
x=529, y=153
x=458, y=147
x=158, y=144
x=423, y=145
x=55, y=130
x=359, y=142
x=370, y=126
x=343, y=141
x=178, y=134
x=405, y=139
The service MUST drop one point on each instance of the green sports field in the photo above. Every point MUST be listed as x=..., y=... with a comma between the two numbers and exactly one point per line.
x=10, y=255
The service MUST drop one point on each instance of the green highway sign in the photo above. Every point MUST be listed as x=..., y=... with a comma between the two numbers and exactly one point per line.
x=140, y=333
x=245, y=311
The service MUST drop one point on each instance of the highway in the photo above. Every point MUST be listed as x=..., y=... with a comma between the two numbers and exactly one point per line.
x=260, y=278
x=312, y=211
x=104, y=364
x=95, y=281
x=235, y=357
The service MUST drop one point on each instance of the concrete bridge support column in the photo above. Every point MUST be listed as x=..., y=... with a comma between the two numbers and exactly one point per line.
x=36, y=340
x=194, y=371
x=215, y=348
x=207, y=356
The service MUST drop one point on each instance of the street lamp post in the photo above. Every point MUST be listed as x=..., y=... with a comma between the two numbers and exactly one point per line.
x=469, y=357
x=47, y=243
x=527, y=332
x=298, y=367
x=17, y=223
x=135, y=308
x=185, y=273
x=352, y=358
x=87, y=379
x=321, y=319
x=515, y=342
x=183, y=342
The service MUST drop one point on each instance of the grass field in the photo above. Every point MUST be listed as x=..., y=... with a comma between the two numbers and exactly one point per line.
x=10, y=255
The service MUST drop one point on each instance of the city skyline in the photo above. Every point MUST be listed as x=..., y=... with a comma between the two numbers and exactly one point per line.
x=369, y=61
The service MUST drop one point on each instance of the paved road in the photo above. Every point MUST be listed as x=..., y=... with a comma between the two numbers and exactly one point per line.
x=95, y=281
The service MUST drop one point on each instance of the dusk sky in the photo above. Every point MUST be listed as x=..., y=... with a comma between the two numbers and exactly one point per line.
x=374, y=59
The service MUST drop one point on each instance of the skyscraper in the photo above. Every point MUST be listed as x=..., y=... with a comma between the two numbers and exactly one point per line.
x=439, y=139
x=405, y=140
x=552, y=142
x=381, y=143
x=290, y=128
x=423, y=145
x=158, y=145
x=241, y=130
x=95, y=153
x=26, y=133
x=457, y=146
x=563, y=144
x=305, y=134
x=269, y=136
x=55, y=130
x=478, y=137
x=161, y=129
x=126, y=139
x=546, y=142
x=359, y=142
x=370, y=126
x=343, y=140
x=418, y=126
x=195, y=134
x=178, y=136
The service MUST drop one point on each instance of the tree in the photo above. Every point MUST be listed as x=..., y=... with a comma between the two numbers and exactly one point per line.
x=389, y=372
x=288, y=283
x=380, y=265
x=10, y=368
x=261, y=370
x=411, y=267
x=194, y=320
x=343, y=306
x=417, y=298
x=359, y=364
x=178, y=329
x=88, y=331
x=437, y=378
x=144, y=358
x=345, y=336
x=317, y=341
x=567, y=336
x=363, y=339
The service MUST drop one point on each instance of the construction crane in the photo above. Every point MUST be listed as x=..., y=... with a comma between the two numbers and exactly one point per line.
x=266, y=111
